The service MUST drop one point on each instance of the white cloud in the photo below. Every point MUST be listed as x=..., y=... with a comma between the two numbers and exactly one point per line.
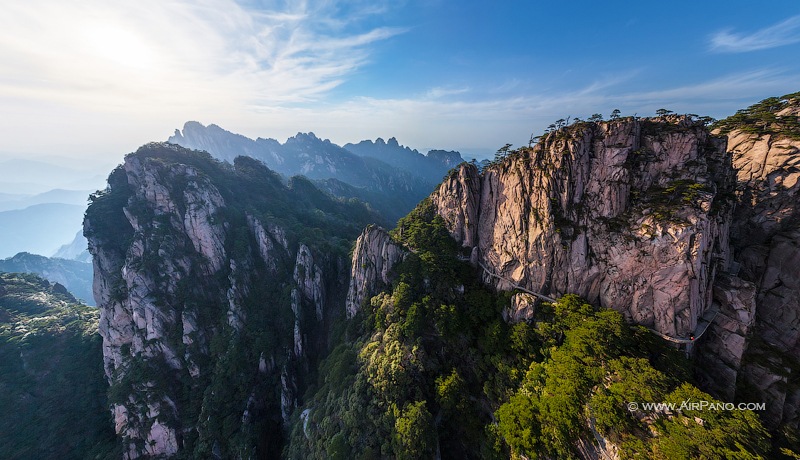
x=780, y=34
x=113, y=62
x=109, y=75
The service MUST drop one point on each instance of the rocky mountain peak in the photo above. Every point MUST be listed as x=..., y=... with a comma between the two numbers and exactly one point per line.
x=199, y=262
x=630, y=214
x=374, y=257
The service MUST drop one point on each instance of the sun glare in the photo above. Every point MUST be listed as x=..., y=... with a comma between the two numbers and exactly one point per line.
x=121, y=46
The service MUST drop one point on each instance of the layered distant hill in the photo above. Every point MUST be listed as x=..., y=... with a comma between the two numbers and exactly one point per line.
x=76, y=276
x=431, y=166
x=75, y=197
x=42, y=201
x=391, y=178
x=39, y=229
x=77, y=249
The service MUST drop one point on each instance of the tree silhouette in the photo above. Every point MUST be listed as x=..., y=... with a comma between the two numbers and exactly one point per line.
x=502, y=152
x=596, y=118
x=614, y=114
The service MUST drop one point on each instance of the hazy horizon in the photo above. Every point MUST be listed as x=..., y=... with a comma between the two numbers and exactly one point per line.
x=96, y=80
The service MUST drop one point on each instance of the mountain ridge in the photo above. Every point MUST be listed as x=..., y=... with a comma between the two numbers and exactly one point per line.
x=229, y=317
x=391, y=190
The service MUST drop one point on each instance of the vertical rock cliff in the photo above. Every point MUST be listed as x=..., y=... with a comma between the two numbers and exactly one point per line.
x=664, y=222
x=212, y=308
x=766, y=236
x=630, y=214
x=374, y=257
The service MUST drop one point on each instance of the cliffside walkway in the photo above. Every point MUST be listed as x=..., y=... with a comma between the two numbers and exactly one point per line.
x=702, y=323
x=515, y=285
x=702, y=326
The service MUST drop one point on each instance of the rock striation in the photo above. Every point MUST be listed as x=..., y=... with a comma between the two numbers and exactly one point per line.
x=204, y=305
x=374, y=257
x=631, y=214
x=663, y=221
x=766, y=237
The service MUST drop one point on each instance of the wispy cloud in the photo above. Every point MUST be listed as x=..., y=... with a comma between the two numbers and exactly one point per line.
x=462, y=120
x=180, y=52
x=440, y=92
x=151, y=62
x=780, y=34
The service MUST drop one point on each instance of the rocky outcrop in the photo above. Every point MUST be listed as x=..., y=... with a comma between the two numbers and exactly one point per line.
x=768, y=169
x=630, y=214
x=638, y=215
x=374, y=257
x=193, y=295
x=458, y=197
x=720, y=352
x=766, y=237
x=521, y=308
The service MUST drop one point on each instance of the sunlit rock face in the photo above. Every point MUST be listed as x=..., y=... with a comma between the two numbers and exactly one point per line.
x=631, y=214
x=374, y=257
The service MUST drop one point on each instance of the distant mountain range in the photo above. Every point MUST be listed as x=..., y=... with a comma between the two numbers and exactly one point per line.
x=431, y=166
x=389, y=177
x=77, y=197
x=20, y=176
x=42, y=200
x=78, y=249
x=39, y=229
x=74, y=275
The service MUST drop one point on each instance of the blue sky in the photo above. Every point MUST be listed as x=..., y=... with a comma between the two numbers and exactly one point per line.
x=99, y=78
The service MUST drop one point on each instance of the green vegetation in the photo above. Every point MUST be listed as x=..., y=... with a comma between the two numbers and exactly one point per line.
x=227, y=382
x=401, y=384
x=762, y=118
x=248, y=186
x=587, y=381
x=52, y=386
x=664, y=202
x=430, y=366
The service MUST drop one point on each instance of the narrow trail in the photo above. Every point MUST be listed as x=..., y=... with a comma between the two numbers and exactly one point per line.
x=702, y=323
x=515, y=285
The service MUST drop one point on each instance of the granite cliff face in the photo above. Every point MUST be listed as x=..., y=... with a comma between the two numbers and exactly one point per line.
x=633, y=215
x=638, y=215
x=206, y=306
x=374, y=256
x=630, y=214
x=766, y=236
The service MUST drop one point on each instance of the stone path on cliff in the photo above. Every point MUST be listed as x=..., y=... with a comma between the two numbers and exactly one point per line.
x=514, y=285
x=702, y=326
x=702, y=323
